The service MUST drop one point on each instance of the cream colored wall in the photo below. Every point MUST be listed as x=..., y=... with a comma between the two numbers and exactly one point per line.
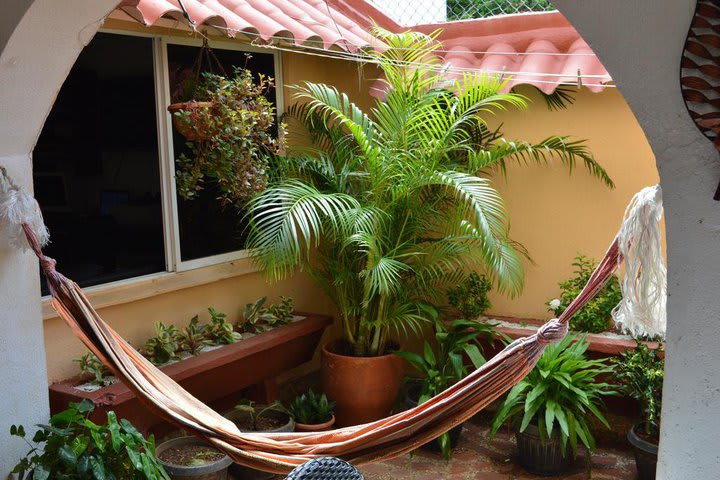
x=557, y=215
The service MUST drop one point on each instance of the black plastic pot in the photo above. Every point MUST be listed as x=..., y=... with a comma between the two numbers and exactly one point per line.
x=645, y=454
x=213, y=471
x=240, y=472
x=539, y=456
x=410, y=400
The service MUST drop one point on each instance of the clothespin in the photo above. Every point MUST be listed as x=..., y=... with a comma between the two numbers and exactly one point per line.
x=579, y=81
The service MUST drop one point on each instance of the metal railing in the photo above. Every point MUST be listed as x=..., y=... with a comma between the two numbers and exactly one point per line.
x=416, y=12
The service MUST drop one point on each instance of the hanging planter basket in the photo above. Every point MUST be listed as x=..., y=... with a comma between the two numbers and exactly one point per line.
x=196, y=129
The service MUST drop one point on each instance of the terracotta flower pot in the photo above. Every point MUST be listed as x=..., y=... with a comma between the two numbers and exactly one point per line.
x=199, y=132
x=315, y=427
x=363, y=388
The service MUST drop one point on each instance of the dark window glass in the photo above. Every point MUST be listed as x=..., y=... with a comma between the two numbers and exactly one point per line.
x=206, y=228
x=96, y=168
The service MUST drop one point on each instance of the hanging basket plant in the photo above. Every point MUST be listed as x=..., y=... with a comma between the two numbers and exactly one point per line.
x=233, y=140
x=193, y=130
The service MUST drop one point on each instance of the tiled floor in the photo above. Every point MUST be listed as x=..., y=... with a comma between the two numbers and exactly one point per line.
x=477, y=459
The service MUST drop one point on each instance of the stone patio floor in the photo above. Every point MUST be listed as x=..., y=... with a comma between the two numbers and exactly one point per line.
x=477, y=458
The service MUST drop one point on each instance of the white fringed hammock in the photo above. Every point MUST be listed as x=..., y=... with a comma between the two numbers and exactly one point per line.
x=641, y=311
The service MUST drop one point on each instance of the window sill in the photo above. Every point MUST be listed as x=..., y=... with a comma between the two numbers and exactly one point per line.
x=133, y=289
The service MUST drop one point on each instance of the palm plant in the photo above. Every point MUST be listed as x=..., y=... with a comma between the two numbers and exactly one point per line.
x=392, y=206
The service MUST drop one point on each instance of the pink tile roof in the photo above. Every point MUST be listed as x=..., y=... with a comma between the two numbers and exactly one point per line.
x=541, y=49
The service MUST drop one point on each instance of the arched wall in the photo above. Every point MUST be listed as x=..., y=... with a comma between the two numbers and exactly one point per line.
x=39, y=42
x=640, y=43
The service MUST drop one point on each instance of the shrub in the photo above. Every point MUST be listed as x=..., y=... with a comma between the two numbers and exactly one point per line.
x=74, y=448
x=596, y=315
x=470, y=297
x=640, y=373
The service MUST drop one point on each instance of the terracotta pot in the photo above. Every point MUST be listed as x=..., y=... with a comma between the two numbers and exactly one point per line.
x=363, y=388
x=315, y=427
x=200, y=132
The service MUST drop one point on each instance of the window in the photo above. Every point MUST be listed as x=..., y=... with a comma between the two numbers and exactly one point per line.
x=103, y=165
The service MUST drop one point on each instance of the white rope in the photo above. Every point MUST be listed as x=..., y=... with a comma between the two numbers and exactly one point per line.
x=642, y=311
x=18, y=207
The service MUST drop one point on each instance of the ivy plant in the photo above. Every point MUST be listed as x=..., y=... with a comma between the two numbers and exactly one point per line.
x=241, y=141
x=72, y=447
x=596, y=315
x=640, y=372
x=560, y=395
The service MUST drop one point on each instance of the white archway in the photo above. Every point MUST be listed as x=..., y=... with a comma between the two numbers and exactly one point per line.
x=641, y=43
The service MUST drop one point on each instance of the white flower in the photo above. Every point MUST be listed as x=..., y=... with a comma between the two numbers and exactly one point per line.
x=554, y=304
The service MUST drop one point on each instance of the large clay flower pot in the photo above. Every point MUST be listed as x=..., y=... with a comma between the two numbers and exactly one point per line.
x=363, y=388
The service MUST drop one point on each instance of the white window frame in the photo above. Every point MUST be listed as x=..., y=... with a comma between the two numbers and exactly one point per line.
x=171, y=231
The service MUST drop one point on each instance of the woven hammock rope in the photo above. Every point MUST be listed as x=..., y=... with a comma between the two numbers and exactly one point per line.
x=281, y=452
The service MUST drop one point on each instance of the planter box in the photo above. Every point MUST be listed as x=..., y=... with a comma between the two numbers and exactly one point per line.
x=213, y=376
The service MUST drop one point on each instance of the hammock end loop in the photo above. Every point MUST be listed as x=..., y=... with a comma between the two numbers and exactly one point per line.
x=552, y=332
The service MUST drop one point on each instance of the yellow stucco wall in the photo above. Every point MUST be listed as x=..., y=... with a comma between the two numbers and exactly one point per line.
x=557, y=215
x=553, y=215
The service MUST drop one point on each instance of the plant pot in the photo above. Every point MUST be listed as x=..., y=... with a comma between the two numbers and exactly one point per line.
x=363, y=388
x=315, y=427
x=216, y=470
x=199, y=132
x=240, y=472
x=410, y=400
x=645, y=454
x=541, y=457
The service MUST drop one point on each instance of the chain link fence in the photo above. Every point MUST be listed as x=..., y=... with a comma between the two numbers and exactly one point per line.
x=415, y=12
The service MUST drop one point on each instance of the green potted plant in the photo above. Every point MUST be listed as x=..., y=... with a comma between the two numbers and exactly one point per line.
x=312, y=412
x=551, y=408
x=640, y=373
x=189, y=458
x=470, y=297
x=163, y=347
x=257, y=319
x=392, y=207
x=219, y=330
x=91, y=367
x=73, y=447
x=445, y=365
x=193, y=338
x=595, y=316
x=232, y=140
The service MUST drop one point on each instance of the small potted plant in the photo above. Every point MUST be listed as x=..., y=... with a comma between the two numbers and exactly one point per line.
x=258, y=319
x=445, y=366
x=189, y=458
x=640, y=373
x=551, y=408
x=163, y=347
x=193, y=338
x=73, y=447
x=250, y=417
x=595, y=316
x=220, y=331
x=91, y=367
x=312, y=412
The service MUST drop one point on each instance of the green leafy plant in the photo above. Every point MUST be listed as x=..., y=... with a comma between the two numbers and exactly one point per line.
x=640, y=373
x=91, y=365
x=258, y=319
x=72, y=447
x=283, y=311
x=163, y=347
x=389, y=208
x=559, y=395
x=445, y=365
x=311, y=408
x=240, y=120
x=255, y=412
x=470, y=297
x=219, y=330
x=193, y=337
x=595, y=316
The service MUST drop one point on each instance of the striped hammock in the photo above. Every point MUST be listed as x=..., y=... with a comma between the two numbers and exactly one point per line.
x=380, y=440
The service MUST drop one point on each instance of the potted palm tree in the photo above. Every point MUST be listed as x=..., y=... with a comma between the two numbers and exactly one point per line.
x=640, y=372
x=392, y=207
x=551, y=408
